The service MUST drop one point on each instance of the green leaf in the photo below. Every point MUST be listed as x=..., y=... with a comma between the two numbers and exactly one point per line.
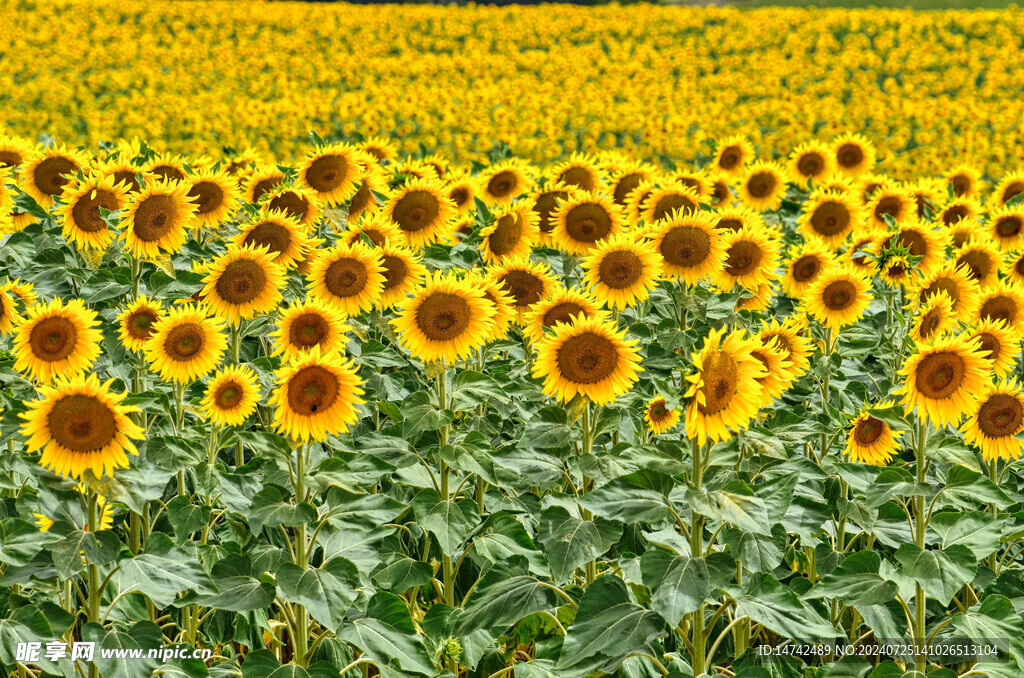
x=628, y=501
x=162, y=572
x=969, y=489
x=939, y=573
x=500, y=600
x=143, y=636
x=777, y=608
x=569, y=542
x=269, y=509
x=743, y=511
x=473, y=388
x=380, y=639
x=72, y=552
x=450, y=522
x=856, y=582
x=235, y=594
x=994, y=620
x=977, y=531
x=186, y=517
x=400, y=573
x=421, y=414
x=680, y=584
x=326, y=592
x=21, y=540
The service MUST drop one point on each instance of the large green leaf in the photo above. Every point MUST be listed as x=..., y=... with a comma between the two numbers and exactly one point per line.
x=627, y=501
x=569, y=542
x=503, y=598
x=143, y=636
x=386, y=636
x=451, y=522
x=326, y=592
x=994, y=620
x=774, y=606
x=856, y=582
x=940, y=573
x=740, y=510
x=680, y=584
x=162, y=572
x=980, y=532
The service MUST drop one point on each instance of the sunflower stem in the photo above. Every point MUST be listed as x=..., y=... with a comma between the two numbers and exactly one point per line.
x=300, y=639
x=698, y=657
x=447, y=571
x=826, y=386
x=585, y=450
x=920, y=527
x=136, y=267
x=993, y=475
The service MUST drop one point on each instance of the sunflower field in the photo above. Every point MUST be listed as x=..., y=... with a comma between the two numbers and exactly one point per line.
x=629, y=386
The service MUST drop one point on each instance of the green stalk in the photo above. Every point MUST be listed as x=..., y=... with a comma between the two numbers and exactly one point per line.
x=698, y=657
x=236, y=351
x=920, y=527
x=93, y=603
x=588, y=445
x=993, y=475
x=447, y=570
x=300, y=639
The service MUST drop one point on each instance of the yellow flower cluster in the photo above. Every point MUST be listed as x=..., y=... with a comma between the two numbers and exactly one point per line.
x=931, y=88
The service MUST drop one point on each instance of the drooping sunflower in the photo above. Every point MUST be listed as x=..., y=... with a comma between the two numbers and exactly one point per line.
x=778, y=370
x=378, y=229
x=811, y=161
x=725, y=391
x=922, y=240
x=78, y=424
x=660, y=417
x=186, y=344
x=242, y=283
x=622, y=271
x=23, y=290
x=999, y=344
x=733, y=154
x=830, y=217
x=690, y=246
x=981, y=260
x=48, y=171
x=764, y=186
x=891, y=201
x=15, y=151
x=958, y=210
x=422, y=211
x=870, y=440
x=504, y=181
x=312, y=323
x=444, y=320
x=1003, y=301
x=511, y=235
x=964, y=181
x=797, y=348
x=1009, y=187
x=589, y=357
x=934, y=318
x=55, y=338
x=215, y=195
x=331, y=173
x=662, y=203
x=260, y=181
x=580, y=170
x=9, y=315
x=627, y=178
x=805, y=263
x=348, y=277
x=994, y=419
x=751, y=257
x=231, y=396
x=157, y=219
x=584, y=220
x=942, y=378
x=854, y=154
x=563, y=305
x=1006, y=226
x=955, y=283
x=81, y=223
x=274, y=230
x=135, y=323
x=317, y=395
x=839, y=297
x=761, y=297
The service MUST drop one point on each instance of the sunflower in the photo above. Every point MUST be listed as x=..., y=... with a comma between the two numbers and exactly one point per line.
x=778, y=370
x=495, y=296
x=156, y=220
x=545, y=204
x=526, y=281
x=854, y=155
x=981, y=260
x=738, y=218
x=589, y=357
x=364, y=202
x=9, y=316
x=378, y=229
x=994, y=421
x=81, y=223
x=298, y=203
x=1013, y=265
x=461, y=190
x=720, y=191
x=627, y=178
x=186, y=344
x=135, y=323
x=79, y=425
x=805, y=263
x=444, y=320
x=659, y=416
x=215, y=195
x=1009, y=187
x=239, y=164
x=955, y=283
x=1003, y=301
x=811, y=162
x=49, y=171
x=304, y=326
x=999, y=343
x=957, y=210
x=403, y=272
x=891, y=201
x=921, y=240
x=584, y=220
x=830, y=217
x=636, y=202
x=242, y=283
x=696, y=181
x=316, y=396
x=690, y=247
x=725, y=391
x=622, y=271
x=934, y=318
x=170, y=169
x=331, y=173
x=580, y=170
x=15, y=151
x=381, y=148
x=1006, y=227
x=863, y=248
x=23, y=290
x=751, y=257
x=504, y=181
x=760, y=298
x=788, y=336
x=511, y=235
x=764, y=186
x=896, y=271
x=942, y=378
x=231, y=396
x=928, y=193
x=964, y=181
x=562, y=306
x=438, y=163
x=662, y=203
x=276, y=231
x=422, y=211
x=870, y=440
x=839, y=297
x=348, y=277
x=261, y=181
x=732, y=155
x=123, y=172
x=55, y=338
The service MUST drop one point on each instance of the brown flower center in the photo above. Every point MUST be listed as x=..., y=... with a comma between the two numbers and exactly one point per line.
x=155, y=217
x=588, y=223
x=507, y=234
x=346, y=277
x=416, y=210
x=168, y=173
x=940, y=374
x=667, y=204
x=139, y=325
x=207, y=196
x=443, y=316
x=743, y=258
x=849, y=156
x=308, y=330
x=81, y=423
x=327, y=173
x=1000, y=307
x=525, y=287
x=271, y=235
x=830, y=218
x=264, y=186
x=730, y=157
x=720, y=376
x=868, y=430
x=810, y=164
x=545, y=205
x=562, y=313
x=53, y=338
x=503, y=184
x=806, y=268
x=762, y=184
x=587, y=358
x=184, y=341
x=578, y=176
x=241, y=281
x=86, y=210
x=50, y=176
x=228, y=395
x=686, y=246
x=626, y=184
x=621, y=269
x=312, y=389
x=292, y=204
x=395, y=271
x=839, y=295
x=1000, y=416
x=1009, y=226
